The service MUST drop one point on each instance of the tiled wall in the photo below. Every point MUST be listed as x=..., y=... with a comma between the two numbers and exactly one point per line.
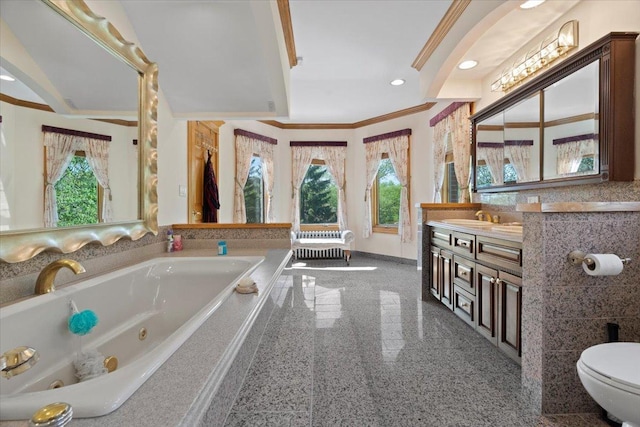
x=18, y=279
x=565, y=310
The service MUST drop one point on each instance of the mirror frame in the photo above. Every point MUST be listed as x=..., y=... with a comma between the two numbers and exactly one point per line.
x=23, y=245
x=616, y=53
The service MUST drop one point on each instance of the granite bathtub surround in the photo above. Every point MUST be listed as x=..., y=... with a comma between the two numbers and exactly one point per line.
x=565, y=310
x=198, y=383
x=18, y=279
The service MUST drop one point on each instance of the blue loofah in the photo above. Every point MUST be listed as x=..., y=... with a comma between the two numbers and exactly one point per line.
x=82, y=323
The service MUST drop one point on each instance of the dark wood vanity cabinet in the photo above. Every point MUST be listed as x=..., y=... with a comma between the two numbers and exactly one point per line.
x=441, y=284
x=478, y=278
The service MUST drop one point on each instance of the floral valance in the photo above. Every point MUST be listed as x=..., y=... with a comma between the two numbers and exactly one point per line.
x=396, y=134
x=257, y=136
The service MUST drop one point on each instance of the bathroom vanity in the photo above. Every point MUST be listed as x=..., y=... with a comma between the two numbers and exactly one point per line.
x=475, y=269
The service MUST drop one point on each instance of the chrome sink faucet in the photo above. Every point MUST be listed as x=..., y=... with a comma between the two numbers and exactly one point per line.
x=44, y=282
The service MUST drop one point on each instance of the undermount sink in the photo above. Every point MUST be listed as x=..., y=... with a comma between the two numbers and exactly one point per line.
x=507, y=228
x=469, y=223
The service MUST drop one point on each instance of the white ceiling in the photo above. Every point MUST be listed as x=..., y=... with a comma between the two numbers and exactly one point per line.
x=225, y=59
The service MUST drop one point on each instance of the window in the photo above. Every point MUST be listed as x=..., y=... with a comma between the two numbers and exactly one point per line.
x=318, y=196
x=78, y=194
x=254, y=192
x=450, y=185
x=386, y=198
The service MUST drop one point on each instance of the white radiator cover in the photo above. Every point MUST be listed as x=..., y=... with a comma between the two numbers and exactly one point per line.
x=333, y=253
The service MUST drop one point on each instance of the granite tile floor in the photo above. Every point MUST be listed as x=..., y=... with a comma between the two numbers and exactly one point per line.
x=355, y=346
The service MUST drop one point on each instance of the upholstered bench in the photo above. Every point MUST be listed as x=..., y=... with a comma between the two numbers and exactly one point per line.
x=342, y=241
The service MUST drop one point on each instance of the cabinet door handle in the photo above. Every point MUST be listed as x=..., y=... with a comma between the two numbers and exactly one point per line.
x=492, y=280
x=463, y=273
x=464, y=243
x=498, y=282
x=465, y=305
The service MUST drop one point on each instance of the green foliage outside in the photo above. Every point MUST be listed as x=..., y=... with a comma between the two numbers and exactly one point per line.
x=388, y=194
x=77, y=194
x=483, y=176
x=318, y=197
x=586, y=165
x=254, y=193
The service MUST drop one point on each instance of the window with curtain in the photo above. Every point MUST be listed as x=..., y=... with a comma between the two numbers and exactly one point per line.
x=393, y=146
x=318, y=197
x=254, y=192
x=248, y=146
x=386, y=198
x=78, y=194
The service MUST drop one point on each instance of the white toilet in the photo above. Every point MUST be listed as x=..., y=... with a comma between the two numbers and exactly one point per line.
x=611, y=375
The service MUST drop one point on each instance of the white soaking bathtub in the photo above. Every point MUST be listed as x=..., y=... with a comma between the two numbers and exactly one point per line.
x=168, y=297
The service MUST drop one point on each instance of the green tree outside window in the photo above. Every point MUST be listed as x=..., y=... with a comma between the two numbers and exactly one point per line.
x=318, y=197
x=77, y=194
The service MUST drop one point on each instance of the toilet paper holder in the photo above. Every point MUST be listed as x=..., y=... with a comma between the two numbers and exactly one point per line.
x=578, y=257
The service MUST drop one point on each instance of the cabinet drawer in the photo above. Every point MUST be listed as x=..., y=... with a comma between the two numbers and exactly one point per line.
x=463, y=243
x=440, y=237
x=500, y=252
x=464, y=305
x=464, y=274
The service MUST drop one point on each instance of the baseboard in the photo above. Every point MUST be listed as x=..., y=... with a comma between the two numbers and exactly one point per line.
x=388, y=258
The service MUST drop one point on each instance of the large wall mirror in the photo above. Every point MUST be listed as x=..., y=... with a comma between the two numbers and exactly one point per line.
x=572, y=125
x=77, y=82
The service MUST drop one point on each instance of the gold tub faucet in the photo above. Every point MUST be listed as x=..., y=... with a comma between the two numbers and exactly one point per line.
x=482, y=215
x=44, y=282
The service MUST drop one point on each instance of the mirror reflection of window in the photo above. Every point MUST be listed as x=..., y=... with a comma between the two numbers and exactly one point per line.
x=571, y=122
x=78, y=194
x=522, y=141
x=490, y=151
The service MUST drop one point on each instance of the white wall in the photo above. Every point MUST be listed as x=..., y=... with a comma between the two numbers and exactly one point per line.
x=172, y=171
x=23, y=164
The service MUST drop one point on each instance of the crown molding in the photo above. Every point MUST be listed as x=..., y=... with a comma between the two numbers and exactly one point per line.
x=446, y=23
x=323, y=126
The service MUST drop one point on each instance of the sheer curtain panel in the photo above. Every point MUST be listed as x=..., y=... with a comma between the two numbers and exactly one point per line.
x=244, y=152
x=98, y=158
x=59, y=148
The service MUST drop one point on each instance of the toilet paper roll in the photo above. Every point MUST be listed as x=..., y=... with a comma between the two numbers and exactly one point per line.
x=603, y=265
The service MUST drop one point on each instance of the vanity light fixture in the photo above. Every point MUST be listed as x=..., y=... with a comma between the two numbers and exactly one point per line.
x=551, y=48
x=397, y=82
x=467, y=65
x=7, y=78
x=530, y=4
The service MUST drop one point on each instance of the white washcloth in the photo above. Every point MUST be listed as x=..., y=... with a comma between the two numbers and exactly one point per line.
x=89, y=364
x=246, y=282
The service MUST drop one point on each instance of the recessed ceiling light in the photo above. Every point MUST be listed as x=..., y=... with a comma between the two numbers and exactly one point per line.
x=530, y=4
x=7, y=78
x=466, y=65
x=397, y=82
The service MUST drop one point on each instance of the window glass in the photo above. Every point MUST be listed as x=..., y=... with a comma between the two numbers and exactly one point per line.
x=318, y=197
x=451, y=184
x=254, y=192
x=77, y=194
x=388, y=194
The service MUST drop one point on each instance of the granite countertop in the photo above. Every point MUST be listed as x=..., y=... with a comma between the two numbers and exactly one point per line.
x=171, y=395
x=487, y=232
